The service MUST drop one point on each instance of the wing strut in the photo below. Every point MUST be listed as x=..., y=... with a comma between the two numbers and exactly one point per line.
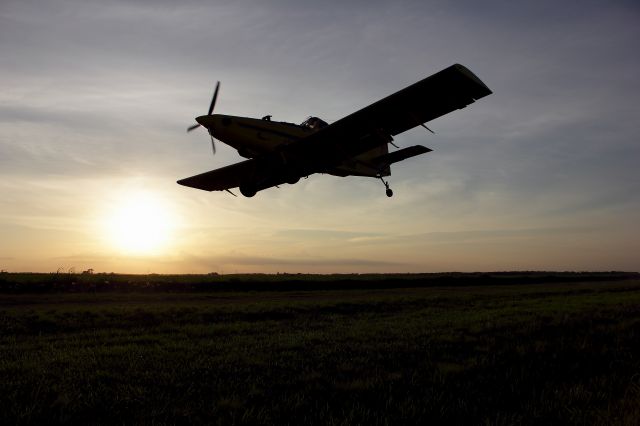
x=423, y=125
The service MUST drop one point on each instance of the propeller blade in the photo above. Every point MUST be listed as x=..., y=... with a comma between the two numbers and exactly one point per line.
x=215, y=97
x=213, y=104
x=195, y=126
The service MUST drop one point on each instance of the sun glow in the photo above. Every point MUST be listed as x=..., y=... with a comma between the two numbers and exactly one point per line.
x=140, y=223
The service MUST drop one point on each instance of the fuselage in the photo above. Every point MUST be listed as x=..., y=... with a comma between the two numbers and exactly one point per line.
x=252, y=137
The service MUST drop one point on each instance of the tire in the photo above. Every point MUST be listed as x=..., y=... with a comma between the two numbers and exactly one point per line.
x=248, y=190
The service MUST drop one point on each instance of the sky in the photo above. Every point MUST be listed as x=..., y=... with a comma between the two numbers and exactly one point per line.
x=95, y=99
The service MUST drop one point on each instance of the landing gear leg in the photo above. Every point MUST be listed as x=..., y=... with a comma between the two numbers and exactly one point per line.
x=389, y=192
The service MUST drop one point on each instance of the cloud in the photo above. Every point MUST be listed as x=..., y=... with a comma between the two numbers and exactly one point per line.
x=313, y=262
x=320, y=234
x=471, y=236
x=95, y=93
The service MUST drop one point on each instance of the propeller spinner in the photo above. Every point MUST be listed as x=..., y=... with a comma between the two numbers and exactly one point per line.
x=213, y=103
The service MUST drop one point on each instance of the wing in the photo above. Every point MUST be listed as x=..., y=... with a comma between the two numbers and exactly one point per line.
x=224, y=178
x=448, y=90
x=444, y=92
x=257, y=174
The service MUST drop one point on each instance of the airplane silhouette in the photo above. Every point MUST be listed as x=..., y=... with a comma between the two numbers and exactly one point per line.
x=356, y=145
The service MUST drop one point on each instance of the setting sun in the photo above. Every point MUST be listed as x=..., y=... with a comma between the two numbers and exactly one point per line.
x=140, y=223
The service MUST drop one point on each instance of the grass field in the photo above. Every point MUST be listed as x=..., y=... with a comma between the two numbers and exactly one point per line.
x=496, y=351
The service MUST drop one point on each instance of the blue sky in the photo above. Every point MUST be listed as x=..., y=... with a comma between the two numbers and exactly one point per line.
x=543, y=174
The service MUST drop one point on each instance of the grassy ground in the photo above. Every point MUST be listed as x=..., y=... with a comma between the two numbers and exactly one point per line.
x=561, y=353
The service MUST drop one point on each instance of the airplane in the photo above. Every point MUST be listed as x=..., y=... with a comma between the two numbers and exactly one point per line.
x=356, y=145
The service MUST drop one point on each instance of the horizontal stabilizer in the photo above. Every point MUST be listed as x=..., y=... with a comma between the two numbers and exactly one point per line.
x=403, y=154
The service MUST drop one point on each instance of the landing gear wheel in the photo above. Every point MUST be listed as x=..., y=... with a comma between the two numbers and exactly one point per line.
x=248, y=190
x=293, y=180
x=389, y=192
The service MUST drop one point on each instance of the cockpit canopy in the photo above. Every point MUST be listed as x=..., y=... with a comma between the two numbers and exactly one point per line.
x=314, y=123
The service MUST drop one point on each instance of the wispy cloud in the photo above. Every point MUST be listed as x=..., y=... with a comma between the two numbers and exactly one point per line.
x=96, y=96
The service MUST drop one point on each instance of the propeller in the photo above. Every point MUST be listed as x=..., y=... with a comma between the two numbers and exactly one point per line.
x=213, y=103
x=213, y=143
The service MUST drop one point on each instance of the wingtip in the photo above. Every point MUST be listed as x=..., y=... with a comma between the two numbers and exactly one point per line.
x=485, y=91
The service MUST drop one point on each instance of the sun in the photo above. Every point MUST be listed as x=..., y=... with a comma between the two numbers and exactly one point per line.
x=140, y=223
